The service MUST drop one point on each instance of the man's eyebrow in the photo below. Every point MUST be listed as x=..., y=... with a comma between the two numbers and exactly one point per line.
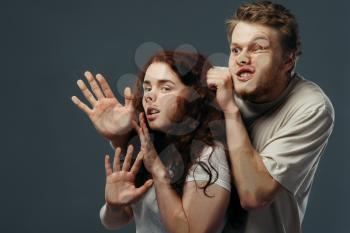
x=260, y=37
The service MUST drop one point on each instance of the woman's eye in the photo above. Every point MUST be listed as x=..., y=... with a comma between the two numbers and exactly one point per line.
x=145, y=89
x=166, y=88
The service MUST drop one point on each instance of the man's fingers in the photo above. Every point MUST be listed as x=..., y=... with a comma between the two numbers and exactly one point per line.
x=218, y=71
x=128, y=97
x=83, y=107
x=127, y=160
x=215, y=84
x=137, y=164
x=106, y=89
x=86, y=92
x=212, y=83
x=116, y=163
x=94, y=85
x=108, y=168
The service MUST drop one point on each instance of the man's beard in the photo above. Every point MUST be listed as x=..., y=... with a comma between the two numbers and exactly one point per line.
x=261, y=91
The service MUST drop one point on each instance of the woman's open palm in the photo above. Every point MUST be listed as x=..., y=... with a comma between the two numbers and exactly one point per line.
x=109, y=117
x=120, y=181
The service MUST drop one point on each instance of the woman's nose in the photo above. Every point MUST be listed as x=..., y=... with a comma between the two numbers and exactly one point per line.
x=150, y=96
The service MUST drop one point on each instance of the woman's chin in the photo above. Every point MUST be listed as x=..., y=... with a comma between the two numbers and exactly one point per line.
x=156, y=127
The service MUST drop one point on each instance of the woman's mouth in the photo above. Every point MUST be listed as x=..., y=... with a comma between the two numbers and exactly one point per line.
x=152, y=113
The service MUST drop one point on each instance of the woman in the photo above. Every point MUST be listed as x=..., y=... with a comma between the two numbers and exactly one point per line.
x=188, y=178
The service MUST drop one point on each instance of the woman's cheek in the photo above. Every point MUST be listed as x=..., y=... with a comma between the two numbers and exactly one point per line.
x=175, y=107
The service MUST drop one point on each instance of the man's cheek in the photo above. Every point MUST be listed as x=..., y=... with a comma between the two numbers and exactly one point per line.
x=262, y=60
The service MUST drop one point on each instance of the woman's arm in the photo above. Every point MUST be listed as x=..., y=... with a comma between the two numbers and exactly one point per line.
x=194, y=212
x=111, y=119
x=114, y=217
x=120, y=190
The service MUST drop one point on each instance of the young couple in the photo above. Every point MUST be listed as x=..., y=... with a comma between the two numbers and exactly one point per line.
x=276, y=127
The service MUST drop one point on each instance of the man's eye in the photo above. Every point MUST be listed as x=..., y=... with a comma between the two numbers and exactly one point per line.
x=235, y=50
x=145, y=89
x=257, y=48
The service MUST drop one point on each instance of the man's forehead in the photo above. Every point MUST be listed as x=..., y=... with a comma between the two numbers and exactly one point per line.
x=247, y=32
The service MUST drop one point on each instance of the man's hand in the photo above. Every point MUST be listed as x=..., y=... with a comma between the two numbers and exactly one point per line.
x=219, y=79
x=120, y=182
x=109, y=117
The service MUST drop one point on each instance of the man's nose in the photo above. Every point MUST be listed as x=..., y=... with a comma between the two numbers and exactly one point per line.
x=243, y=58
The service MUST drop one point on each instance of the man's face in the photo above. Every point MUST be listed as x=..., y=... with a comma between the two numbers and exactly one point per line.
x=256, y=62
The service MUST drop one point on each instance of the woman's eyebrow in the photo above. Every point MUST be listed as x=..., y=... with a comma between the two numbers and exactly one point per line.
x=161, y=81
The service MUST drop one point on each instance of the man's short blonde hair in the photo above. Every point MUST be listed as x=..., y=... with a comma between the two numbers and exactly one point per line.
x=272, y=15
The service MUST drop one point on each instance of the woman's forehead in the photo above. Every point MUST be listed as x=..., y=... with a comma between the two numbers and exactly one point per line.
x=160, y=71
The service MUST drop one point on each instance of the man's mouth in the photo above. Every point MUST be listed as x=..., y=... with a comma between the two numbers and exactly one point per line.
x=245, y=73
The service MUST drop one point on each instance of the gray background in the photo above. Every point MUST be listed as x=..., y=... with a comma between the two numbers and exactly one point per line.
x=52, y=172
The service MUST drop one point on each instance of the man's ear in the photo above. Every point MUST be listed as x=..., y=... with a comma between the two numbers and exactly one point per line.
x=289, y=61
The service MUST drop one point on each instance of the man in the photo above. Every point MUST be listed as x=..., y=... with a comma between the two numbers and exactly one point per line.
x=277, y=123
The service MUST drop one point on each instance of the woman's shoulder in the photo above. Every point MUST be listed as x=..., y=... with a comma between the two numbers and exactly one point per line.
x=216, y=151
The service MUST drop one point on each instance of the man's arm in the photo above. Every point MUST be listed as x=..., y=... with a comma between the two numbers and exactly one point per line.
x=255, y=185
x=289, y=155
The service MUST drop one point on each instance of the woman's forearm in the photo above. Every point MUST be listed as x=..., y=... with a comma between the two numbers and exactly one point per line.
x=170, y=204
x=120, y=141
x=113, y=218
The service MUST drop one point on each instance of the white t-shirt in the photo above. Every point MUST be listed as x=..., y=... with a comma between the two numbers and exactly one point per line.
x=146, y=213
x=290, y=134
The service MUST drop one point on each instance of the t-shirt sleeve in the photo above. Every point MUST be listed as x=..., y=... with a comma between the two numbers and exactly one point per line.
x=294, y=151
x=217, y=157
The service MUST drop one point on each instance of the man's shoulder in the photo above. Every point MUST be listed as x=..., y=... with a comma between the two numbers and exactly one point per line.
x=307, y=96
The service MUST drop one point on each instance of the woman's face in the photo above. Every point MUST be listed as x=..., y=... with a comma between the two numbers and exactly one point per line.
x=162, y=89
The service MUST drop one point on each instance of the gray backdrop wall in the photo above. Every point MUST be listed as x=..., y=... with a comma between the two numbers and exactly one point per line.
x=52, y=172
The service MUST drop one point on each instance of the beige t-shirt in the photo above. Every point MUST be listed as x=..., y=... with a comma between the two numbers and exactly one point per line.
x=290, y=134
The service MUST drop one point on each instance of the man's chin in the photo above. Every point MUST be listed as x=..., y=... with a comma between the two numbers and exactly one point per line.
x=246, y=94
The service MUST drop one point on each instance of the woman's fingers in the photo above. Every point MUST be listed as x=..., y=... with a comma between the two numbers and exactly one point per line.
x=135, y=126
x=141, y=190
x=129, y=97
x=127, y=160
x=83, y=107
x=139, y=132
x=94, y=85
x=116, y=163
x=108, y=168
x=137, y=164
x=105, y=86
x=144, y=126
x=86, y=92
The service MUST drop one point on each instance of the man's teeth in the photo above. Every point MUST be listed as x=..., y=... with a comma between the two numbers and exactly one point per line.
x=244, y=74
